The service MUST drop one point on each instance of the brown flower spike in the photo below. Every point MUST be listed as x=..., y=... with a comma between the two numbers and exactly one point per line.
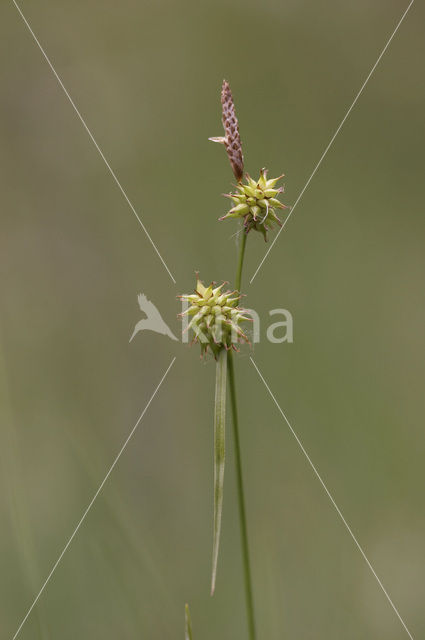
x=231, y=140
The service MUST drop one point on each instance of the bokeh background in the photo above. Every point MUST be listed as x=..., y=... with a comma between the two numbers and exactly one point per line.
x=349, y=266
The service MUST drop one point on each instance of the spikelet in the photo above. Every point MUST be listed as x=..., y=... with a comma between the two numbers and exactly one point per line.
x=255, y=202
x=215, y=317
x=231, y=140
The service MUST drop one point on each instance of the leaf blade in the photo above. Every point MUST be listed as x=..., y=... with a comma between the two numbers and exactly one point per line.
x=219, y=455
x=187, y=623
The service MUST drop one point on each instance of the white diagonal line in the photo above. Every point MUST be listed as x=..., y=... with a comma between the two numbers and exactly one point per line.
x=347, y=526
x=92, y=501
x=300, y=195
x=111, y=171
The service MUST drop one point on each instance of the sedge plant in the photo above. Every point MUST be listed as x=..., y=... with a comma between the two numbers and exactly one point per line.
x=216, y=321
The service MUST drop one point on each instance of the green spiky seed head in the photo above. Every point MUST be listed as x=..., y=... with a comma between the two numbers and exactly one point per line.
x=215, y=317
x=255, y=202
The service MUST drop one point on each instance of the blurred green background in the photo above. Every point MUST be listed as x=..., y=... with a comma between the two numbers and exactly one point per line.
x=349, y=266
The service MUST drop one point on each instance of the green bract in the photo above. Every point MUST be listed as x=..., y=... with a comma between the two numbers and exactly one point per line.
x=215, y=317
x=256, y=202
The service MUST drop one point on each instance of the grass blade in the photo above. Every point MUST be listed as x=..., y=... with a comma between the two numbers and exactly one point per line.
x=187, y=624
x=219, y=454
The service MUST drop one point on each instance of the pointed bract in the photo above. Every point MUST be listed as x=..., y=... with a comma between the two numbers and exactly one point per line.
x=219, y=139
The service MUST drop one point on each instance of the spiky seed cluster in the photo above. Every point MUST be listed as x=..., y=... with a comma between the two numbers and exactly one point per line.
x=256, y=202
x=231, y=140
x=215, y=317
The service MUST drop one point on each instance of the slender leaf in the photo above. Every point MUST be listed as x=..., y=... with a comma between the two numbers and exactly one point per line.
x=187, y=624
x=219, y=455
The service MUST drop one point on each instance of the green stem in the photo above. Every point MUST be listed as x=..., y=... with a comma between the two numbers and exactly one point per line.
x=240, y=260
x=238, y=464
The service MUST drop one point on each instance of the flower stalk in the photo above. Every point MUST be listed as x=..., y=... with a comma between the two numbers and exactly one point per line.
x=241, y=501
